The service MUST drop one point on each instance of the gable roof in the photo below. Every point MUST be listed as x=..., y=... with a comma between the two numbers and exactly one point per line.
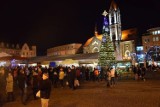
x=3, y=54
x=90, y=39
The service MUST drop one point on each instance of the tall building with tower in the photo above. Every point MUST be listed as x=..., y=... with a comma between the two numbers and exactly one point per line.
x=124, y=41
x=114, y=21
x=115, y=28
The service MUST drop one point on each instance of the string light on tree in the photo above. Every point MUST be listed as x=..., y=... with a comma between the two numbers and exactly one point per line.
x=106, y=53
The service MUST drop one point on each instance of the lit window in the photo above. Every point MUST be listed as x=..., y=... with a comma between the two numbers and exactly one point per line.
x=145, y=40
x=156, y=32
x=157, y=38
x=153, y=38
x=7, y=45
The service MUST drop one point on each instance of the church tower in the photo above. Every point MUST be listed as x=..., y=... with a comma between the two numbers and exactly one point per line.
x=115, y=28
x=114, y=22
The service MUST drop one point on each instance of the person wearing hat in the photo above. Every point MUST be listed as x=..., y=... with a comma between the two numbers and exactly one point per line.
x=35, y=84
x=45, y=90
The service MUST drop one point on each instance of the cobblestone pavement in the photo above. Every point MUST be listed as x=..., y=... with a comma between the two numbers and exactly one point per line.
x=126, y=93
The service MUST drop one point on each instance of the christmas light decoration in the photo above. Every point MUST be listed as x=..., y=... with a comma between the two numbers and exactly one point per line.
x=106, y=53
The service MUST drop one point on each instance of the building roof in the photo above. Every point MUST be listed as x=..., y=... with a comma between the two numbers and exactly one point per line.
x=128, y=34
x=95, y=35
x=12, y=57
x=153, y=29
x=3, y=54
x=14, y=46
x=90, y=39
x=61, y=58
x=113, y=5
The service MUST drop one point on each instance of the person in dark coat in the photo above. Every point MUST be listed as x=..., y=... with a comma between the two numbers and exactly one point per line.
x=35, y=84
x=143, y=73
x=23, y=86
x=55, y=77
x=50, y=71
x=45, y=90
x=2, y=87
x=71, y=77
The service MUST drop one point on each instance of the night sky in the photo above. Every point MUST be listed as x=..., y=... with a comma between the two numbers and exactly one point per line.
x=51, y=23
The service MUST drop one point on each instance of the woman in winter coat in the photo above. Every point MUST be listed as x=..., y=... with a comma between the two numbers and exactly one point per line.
x=9, y=87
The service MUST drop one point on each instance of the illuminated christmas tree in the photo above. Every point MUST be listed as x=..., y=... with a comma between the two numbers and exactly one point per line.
x=106, y=53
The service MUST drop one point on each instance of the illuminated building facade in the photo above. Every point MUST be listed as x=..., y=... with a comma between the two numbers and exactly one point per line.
x=127, y=49
x=16, y=50
x=123, y=40
x=151, y=38
x=67, y=49
x=93, y=44
x=127, y=44
x=140, y=54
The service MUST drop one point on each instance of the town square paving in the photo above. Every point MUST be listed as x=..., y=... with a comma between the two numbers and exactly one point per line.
x=126, y=93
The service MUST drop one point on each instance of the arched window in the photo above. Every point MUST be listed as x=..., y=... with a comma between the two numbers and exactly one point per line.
x=2, y=44
x=95, y=49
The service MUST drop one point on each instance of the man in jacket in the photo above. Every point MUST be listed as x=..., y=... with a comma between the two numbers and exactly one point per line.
x=23, y=86
x=72, y=77
x=45, y=90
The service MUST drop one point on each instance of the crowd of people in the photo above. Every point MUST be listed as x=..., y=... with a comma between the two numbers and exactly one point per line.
x=139, y=72
x=30, y=80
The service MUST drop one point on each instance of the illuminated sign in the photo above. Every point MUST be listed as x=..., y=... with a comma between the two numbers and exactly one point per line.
x=139, y=48
x=2, y=63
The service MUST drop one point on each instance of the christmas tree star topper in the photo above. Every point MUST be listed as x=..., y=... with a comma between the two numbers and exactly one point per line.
x=105, y=13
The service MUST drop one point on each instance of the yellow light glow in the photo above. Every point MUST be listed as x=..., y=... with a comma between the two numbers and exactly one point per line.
x=90, y=39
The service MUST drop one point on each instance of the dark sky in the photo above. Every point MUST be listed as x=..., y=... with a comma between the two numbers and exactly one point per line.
x=56, y=22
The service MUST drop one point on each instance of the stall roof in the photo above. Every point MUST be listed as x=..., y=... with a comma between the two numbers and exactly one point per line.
x=13, y=57
x=61, y=58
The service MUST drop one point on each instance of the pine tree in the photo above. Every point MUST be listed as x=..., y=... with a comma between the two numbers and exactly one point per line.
x=106, y=53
